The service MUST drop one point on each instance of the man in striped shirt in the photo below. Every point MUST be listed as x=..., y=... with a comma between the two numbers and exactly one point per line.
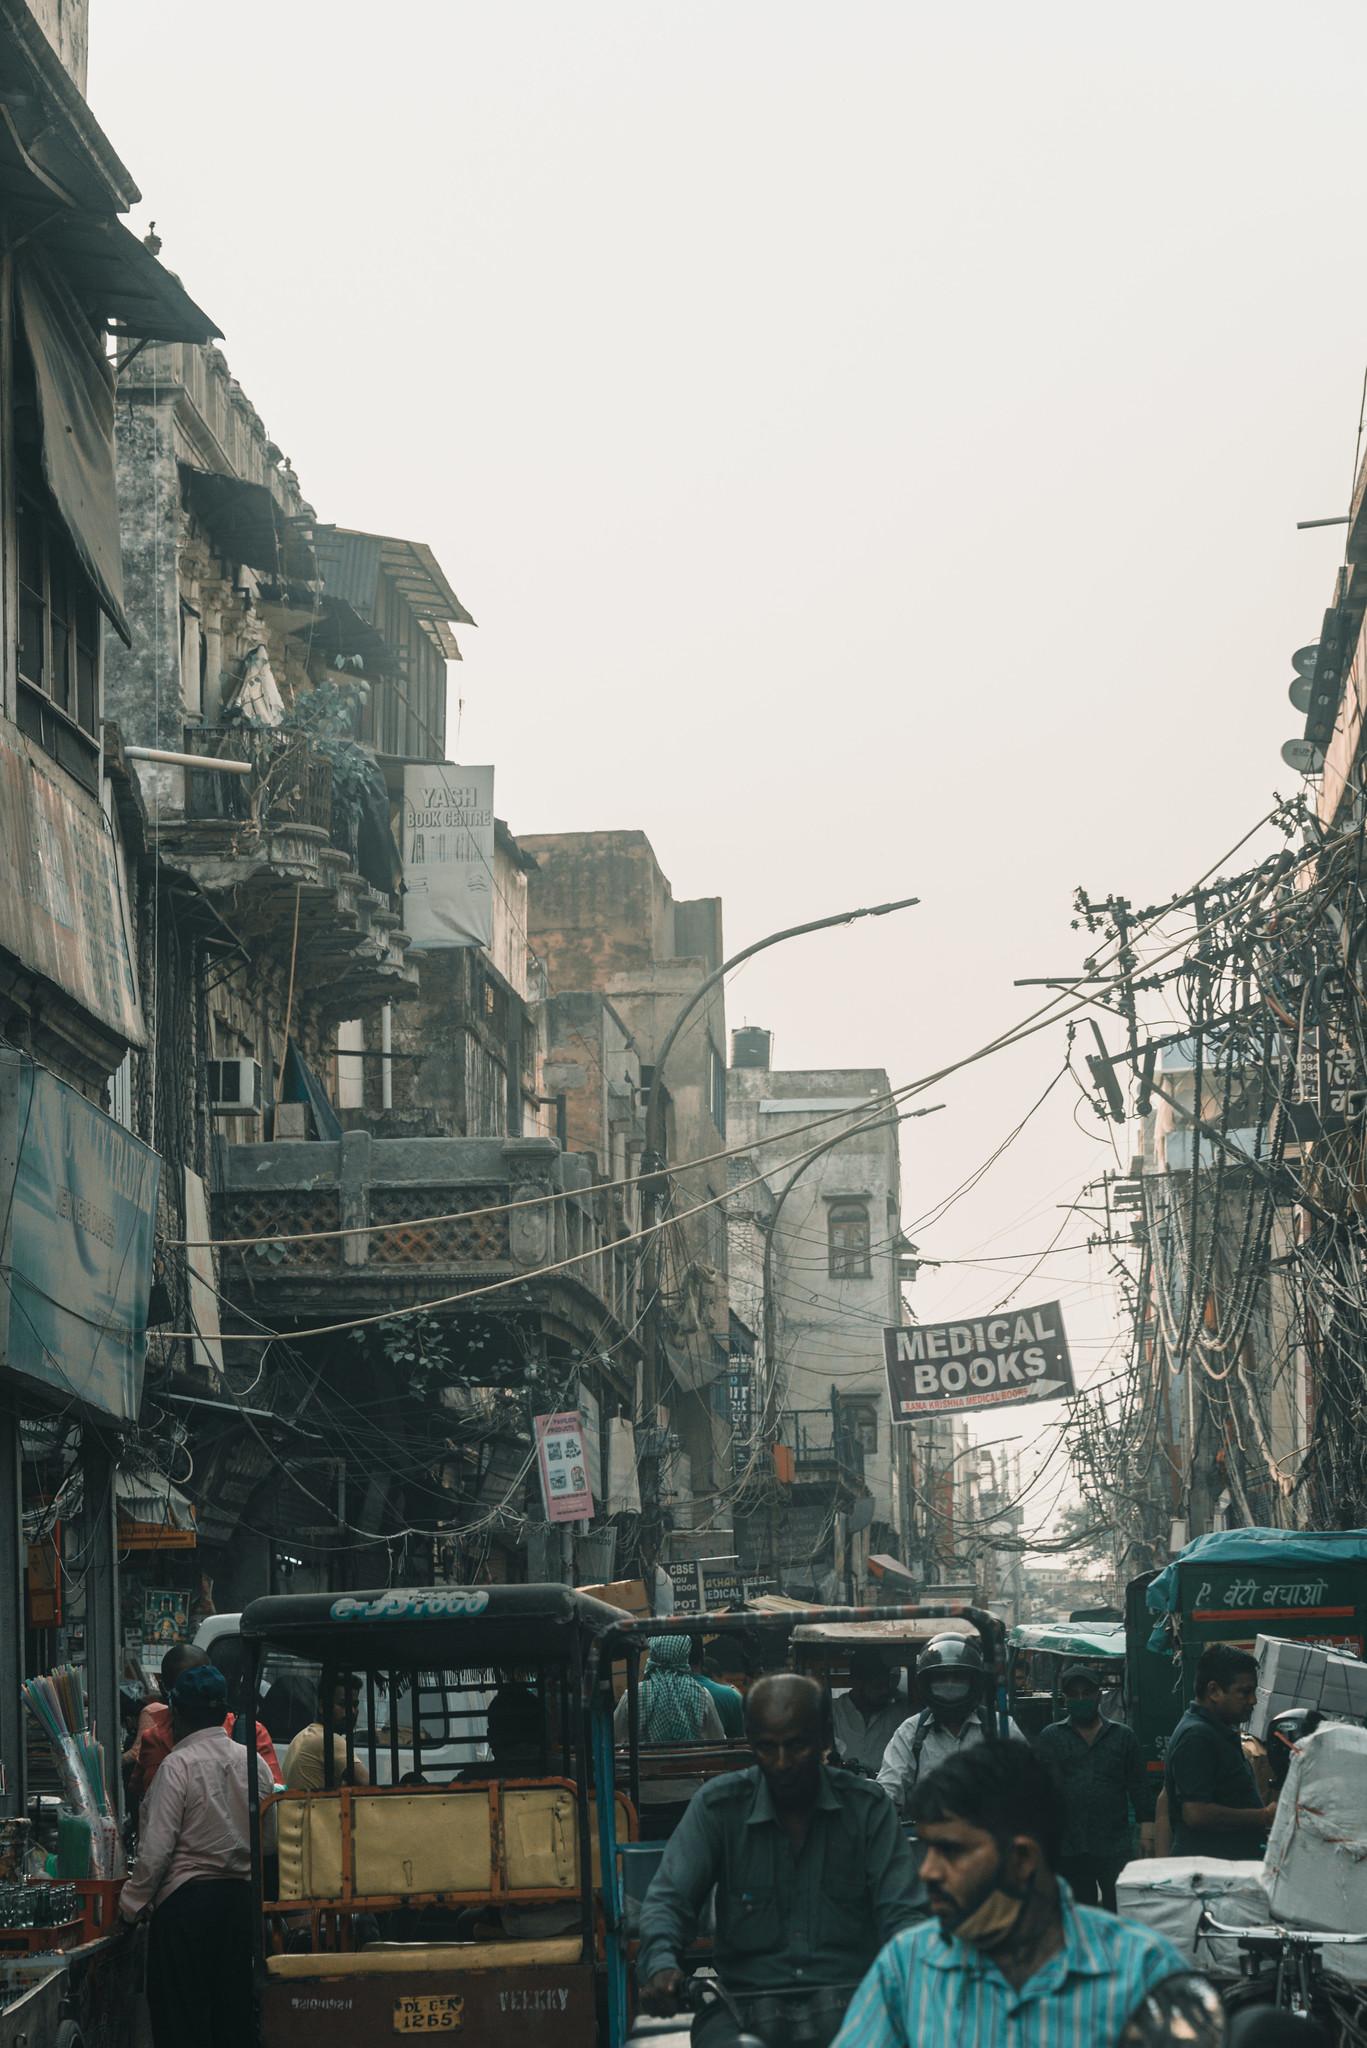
x=1007, y=1959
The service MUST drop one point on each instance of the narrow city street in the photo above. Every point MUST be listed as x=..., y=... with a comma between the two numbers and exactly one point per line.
x=683, y=1274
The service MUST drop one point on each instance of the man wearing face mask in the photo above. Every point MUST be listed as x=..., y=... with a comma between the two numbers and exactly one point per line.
x=1007, y=1955
x=1099, y=1766
x=956, y=1684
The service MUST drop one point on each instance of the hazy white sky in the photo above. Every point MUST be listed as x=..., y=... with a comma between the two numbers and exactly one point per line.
x=870, y=437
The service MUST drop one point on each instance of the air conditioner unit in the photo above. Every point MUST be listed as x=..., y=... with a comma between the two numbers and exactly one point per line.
x=234, y=1087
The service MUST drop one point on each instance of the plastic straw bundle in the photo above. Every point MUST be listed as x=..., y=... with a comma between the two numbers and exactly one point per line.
x=57, y=1703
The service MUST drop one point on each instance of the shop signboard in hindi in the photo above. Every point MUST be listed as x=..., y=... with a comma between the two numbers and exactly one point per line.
x=998, y=1362
x=448, y=855
x=564, y=1467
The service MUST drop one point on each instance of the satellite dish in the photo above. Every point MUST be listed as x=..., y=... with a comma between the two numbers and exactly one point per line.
x=1301, y=691
x=1304, y=659
x=1304, y=756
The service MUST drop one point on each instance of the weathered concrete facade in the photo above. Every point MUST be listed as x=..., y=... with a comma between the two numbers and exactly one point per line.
x=66, y=24
x=603, y=917
x=817, y=1258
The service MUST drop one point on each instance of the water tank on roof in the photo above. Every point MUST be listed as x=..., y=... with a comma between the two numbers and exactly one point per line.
x=751, y=1047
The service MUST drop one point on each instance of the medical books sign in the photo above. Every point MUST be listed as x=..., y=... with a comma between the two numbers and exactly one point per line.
x=564, y=1467
x=448, y=855
x=951, y=1368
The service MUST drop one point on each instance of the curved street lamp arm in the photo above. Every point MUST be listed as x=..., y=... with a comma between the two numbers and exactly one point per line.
x=654, y=1146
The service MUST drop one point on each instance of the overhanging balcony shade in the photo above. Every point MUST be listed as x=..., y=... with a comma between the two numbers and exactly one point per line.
x=152, y=1501
x=76, y=409
x=248, y=526
x=339, y=629
x=66, y=207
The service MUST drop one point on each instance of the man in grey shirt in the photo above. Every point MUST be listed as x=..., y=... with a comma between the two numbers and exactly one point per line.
x=811, y=1871
x=869, y=1714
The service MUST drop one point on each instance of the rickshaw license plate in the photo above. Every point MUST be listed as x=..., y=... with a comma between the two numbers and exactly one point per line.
x=436, y=2012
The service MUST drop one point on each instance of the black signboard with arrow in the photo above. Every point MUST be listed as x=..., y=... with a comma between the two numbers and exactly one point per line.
x=1017, y=1356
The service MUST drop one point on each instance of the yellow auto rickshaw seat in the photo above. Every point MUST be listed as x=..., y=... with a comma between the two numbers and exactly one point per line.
x=405, y=1960
x=405, y=1843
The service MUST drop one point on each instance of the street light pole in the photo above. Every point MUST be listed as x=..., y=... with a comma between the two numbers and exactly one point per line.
x=656, y=1164
x=654, y=1101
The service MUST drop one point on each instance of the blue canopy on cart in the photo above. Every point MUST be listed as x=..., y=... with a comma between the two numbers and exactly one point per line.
x=1256, y=1546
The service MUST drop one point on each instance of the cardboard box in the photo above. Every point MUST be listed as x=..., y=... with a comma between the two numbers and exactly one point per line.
x=631, y=1596
x=1344, y=1690
x=628, y=1594
x=1302, y=1675
x=1266, y=1708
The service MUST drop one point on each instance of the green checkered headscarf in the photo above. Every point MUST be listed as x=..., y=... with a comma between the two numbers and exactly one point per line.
x=671, y=1698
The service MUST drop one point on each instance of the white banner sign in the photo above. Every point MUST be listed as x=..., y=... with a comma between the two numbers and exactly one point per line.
x=448, y=855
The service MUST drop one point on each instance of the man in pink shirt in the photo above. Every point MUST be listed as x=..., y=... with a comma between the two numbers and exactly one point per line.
x=193, y=1874
x=154, y=1740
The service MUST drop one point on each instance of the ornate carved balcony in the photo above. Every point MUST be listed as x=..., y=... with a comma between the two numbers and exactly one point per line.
x=258, y=842
x=362, y=1183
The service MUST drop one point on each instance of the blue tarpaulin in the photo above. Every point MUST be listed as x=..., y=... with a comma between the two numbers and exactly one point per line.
x=1286, y=1547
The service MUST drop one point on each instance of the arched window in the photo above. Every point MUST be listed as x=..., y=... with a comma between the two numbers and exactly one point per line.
x=847, y=1227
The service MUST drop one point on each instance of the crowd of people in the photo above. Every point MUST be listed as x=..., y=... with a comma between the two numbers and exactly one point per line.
x=996, y=1925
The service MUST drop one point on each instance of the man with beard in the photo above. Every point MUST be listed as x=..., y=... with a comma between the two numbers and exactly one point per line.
x=812, y=1876
x=1007, y=1955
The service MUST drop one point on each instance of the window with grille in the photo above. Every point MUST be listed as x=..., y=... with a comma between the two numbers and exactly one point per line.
x=847, y=1227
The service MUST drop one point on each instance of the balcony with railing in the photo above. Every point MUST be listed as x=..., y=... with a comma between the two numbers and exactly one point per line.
x=285, y=834
x=819, y=1447
x=424, y=1219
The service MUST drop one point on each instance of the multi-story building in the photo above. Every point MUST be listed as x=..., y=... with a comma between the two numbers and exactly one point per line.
x=818, y=1260
x=603, y=918
x=80, y=295
x=361, y=1119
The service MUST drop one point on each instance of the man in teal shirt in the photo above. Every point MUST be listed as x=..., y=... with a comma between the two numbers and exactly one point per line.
x=812, y=1875
x=728, y=1702
x=1007, y=1957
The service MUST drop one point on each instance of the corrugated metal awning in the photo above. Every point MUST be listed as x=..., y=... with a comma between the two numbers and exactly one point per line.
x=150, y=1498
x=352, y=563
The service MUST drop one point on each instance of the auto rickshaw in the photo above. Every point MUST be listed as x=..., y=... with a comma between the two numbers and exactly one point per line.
x=1231, y=1587
x=488, y=1899
x=1038, y=1654
x=824, y=1648
x=476, y=1902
